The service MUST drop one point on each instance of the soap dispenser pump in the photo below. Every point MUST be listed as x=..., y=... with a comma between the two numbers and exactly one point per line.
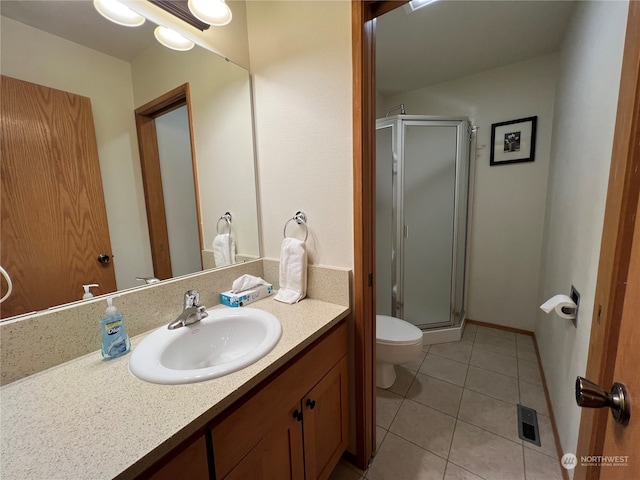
x=87, y=292
x=115, y=341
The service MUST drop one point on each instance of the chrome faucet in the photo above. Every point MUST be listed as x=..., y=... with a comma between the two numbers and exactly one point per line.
x=193, y=312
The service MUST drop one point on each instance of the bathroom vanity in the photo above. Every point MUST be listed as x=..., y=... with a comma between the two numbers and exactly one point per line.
x=285, y=416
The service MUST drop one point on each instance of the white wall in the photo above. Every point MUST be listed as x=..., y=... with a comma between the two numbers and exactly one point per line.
x=584, y=118
x=38, y=57
x=301, y=64
x=509, y=200
x=222, y=130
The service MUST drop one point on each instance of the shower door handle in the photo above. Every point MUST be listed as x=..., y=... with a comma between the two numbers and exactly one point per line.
x=405, y=232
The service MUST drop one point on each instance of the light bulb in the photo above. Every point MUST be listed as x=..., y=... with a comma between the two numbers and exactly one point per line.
x=213, y=12
x=172, y=40
x=118, y=13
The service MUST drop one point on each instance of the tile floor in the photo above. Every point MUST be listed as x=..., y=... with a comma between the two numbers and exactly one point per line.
x=452, y=414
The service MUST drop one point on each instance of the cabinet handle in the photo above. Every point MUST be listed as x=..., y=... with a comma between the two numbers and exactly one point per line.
x=297, y=415
x=311, y=403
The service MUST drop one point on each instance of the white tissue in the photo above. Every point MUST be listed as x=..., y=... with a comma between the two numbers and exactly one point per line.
x=557, y=303
x=246, y=282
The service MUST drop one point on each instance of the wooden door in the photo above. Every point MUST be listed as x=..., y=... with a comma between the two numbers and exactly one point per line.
x=624, y=441
x=53, y=216
x=326, y=427
x=278, y=456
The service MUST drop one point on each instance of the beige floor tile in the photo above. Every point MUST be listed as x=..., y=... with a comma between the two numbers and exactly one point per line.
x=532, y=396
x=454, y=472
x=414, y=366
x=380, y=434
x=547, y=440
x=471, y=327
x=344, y=471
x=424, y=426
x=387, y=405
x=528, y=371
x=493, y=384
x=468, y=336
x=495, y=362
x=522, y=339
x=493, y=415
x=437, y=394
x=444, y=369
x=505, y=346
x=485, y=454
x=399, y=459
x=458, y=351
x=527, y=352
x=404, y=377
x=496, y=332
x=540, y=467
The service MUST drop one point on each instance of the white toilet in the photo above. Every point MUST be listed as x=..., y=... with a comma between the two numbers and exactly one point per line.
x=397, y=342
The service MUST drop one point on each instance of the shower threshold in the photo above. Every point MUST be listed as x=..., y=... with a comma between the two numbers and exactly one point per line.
x=443, y=334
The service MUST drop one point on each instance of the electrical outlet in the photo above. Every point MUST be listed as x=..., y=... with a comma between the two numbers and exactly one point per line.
x=575, y=296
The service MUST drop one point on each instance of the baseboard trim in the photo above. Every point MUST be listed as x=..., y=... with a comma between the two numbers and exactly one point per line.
x=501, y=327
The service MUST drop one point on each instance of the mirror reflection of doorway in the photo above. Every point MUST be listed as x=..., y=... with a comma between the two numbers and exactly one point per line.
x=169, y=177
x=174, y=149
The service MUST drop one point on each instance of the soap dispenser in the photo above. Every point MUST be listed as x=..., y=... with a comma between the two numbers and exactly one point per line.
x=87, y=292
x=115, y=341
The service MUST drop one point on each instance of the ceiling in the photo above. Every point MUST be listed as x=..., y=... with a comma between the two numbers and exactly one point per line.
x=451, y=39
x=443, y=41
x=79, y=22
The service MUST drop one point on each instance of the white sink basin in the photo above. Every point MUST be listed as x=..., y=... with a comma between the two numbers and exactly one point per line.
x=228, y=340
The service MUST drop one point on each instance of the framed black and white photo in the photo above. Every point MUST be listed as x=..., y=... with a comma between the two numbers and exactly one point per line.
x=513, y=141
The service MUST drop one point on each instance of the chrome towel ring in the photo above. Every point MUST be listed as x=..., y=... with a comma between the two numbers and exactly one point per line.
x=227, y=218
x=301, y=219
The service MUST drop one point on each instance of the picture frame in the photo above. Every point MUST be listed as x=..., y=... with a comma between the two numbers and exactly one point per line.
x=513, y=141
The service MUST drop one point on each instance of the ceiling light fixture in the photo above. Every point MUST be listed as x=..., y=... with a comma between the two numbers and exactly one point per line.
x=213, y=12
x=118, y=13
x=172, y=40
x=414, y=5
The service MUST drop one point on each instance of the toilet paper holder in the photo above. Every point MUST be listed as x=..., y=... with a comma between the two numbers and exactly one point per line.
x=564, y=306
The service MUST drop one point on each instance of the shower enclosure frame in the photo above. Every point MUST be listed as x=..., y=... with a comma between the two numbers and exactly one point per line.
x=461, y=213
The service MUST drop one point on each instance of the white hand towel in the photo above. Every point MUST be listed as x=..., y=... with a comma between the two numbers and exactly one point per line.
x=245, y=282
x=224, y=250
x=293, y=271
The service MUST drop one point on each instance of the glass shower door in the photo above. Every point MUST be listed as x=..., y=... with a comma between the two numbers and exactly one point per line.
x=385, y=226
x=428, y=206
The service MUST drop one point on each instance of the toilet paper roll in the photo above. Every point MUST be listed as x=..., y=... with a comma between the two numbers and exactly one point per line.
x=558, y=303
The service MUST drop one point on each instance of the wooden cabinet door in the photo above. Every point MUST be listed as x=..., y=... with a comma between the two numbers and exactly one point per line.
x=191, y=463
x=278, y=456
x=326, y=426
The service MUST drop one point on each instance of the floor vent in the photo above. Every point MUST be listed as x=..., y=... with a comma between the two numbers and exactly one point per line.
x=528, y=425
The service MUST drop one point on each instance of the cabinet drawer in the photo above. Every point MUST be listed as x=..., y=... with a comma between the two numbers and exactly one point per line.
x=236, y=433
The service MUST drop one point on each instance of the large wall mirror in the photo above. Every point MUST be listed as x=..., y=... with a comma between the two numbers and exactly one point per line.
x=204, y=141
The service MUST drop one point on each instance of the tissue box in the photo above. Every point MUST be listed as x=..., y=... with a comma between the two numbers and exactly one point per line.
x=245, y=298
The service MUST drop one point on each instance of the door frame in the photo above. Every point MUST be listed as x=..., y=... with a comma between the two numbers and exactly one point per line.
x=363, y=14
x=615, y=250
x=621, y=203
x=151, y=176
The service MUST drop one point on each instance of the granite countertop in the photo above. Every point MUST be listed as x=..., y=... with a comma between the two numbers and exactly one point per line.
x=93, y=419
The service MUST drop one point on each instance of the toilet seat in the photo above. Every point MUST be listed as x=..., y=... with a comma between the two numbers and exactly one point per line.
x=394, y=331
